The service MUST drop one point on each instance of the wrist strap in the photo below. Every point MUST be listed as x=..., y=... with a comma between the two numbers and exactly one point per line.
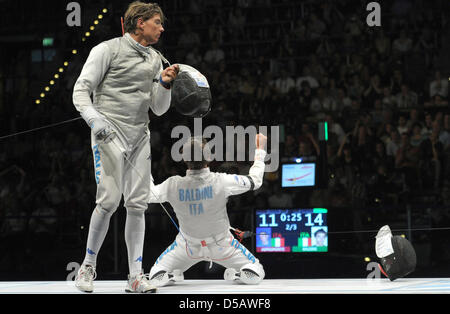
x=166, y=85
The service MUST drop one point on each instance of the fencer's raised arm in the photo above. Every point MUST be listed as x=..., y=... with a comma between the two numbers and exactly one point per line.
x=238, y=184
x=160, y=102
x=92, y=74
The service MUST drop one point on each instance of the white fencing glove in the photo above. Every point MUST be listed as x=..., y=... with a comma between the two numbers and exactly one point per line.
x=102, y=130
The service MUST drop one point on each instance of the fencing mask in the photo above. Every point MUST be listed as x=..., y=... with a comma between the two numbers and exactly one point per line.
x=191, y=95
x=397, y=255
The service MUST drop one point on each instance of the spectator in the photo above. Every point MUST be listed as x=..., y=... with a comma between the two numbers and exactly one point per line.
x=236, y=24
x=214, y=54
x=442, y=135
x=382, y=44
x=416, y=135
x=380, y=156
x=425, y=45
x=393, y=143
x=317, y=69
x=316, y=27
x=436, y=102
x=396, y=82
x=285, y=49
x=305, y=97
x=280, y=199
x=407, y=160
x=335, y=129
x=413, y=119
x=373, y=91
x=439, y=86
x=189, y=38
x=355, y=88
x=194, y=58
x=347, y=166
x=342, y=100
x=388, y=100
x=326, y=48
x=290, y=146
x=305, y=148
x=428, y=125
x=431, y=165
x=402, y=44
x=306, y=76
x=298, y=33
x=402, y=127
x=322, y=103
x=353, y=27
x=406, y=99
x=284, y=84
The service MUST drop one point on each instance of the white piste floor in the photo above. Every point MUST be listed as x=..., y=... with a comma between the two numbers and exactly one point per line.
x=268, y=286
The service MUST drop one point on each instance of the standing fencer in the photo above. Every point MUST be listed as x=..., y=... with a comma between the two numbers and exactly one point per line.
x=126, y=77
x=199, y=200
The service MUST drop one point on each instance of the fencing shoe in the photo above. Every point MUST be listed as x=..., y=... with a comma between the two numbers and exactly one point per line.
x=139, y=284
x=85, y=278
x=164, y=278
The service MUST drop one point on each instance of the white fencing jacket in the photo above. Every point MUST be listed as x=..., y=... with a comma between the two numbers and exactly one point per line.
x=199, y=199
x=123, y=77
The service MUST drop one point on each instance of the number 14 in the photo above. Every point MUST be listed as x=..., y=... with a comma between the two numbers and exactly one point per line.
x=318, y=220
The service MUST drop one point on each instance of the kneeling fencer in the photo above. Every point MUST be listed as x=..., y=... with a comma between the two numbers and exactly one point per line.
x=199, y=200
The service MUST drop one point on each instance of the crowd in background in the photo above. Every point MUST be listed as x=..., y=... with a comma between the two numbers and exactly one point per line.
x=382, y=90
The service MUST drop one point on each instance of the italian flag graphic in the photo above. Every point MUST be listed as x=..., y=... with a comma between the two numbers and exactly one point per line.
x=306, y=242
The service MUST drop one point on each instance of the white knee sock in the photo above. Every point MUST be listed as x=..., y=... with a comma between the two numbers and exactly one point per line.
x=98, y=228
x=134, y=239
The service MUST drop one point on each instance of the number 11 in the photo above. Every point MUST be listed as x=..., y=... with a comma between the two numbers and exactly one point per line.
x=264, y=223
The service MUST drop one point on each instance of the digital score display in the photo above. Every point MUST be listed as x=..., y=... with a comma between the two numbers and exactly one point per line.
x=291, y=230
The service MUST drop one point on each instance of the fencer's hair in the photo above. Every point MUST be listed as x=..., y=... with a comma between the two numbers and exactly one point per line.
x=137, y=10
x=193, y=144
x=320, y=231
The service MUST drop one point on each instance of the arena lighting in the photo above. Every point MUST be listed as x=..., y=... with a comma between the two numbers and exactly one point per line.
x=49, y=42
x=367, y=259
x=298, y=160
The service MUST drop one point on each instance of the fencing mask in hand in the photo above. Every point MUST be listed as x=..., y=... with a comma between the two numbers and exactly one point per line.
x=191, y=95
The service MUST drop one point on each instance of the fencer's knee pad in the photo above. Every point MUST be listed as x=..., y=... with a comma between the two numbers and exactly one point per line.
x=164, y=278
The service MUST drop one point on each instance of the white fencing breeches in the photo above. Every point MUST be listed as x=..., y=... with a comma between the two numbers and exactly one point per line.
x=120, y=172
x=223, y=249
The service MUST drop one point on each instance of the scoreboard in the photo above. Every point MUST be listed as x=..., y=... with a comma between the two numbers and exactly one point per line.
x=291, y=230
